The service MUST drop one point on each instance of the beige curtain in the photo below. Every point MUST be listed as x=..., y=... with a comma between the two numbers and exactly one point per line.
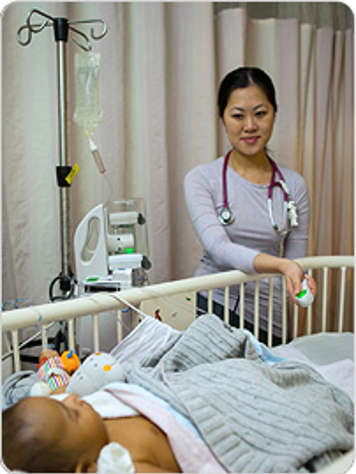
x=313, y=72
x=160, y=68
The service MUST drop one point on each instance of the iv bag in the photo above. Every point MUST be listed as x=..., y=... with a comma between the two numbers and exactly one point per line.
x=88, y=112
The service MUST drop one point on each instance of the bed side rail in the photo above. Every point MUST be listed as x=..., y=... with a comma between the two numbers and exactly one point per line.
x=41, y=316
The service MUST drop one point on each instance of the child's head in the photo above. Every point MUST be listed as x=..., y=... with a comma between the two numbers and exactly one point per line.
x=40, y=434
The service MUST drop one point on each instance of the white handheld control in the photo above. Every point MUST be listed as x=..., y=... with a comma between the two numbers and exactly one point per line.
x=305, y=297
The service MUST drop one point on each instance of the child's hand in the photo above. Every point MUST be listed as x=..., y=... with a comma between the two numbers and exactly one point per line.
x=47, y=353
x=59, y=390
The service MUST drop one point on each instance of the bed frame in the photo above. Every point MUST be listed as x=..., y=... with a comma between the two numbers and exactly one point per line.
x=334, y=275
x=42, y=316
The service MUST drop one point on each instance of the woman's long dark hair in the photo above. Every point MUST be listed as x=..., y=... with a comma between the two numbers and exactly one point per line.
x=244, y=77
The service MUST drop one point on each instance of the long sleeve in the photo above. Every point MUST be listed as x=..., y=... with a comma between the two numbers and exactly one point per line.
x=235, y=246
x=297, y=242
x=201, y=200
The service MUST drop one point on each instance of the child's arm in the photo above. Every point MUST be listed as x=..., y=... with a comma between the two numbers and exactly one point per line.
x=47, y=353
x=59, y=390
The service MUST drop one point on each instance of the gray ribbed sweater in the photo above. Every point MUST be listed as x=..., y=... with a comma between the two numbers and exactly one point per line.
x=255, y=417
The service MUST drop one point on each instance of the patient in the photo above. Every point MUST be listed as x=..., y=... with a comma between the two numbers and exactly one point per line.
x=41, y=434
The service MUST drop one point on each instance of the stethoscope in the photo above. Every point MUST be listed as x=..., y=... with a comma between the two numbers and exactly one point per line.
x=290, y=216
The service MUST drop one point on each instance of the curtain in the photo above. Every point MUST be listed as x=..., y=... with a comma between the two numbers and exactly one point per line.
x=160, y=68
x=337, y=15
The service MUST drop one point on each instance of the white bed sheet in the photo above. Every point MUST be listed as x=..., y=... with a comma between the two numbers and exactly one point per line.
x=331, y=354
x=326, y=347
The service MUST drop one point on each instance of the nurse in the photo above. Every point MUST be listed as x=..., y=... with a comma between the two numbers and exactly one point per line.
x=249, y=213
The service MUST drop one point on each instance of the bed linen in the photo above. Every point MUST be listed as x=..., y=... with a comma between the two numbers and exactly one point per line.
x=340, y=372
x=191, y=453
x=326, y=347
x=331, y=354
x=255, y=417
x=119, y=399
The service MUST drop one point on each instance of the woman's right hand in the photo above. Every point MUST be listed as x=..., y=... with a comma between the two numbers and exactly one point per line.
x=293, y=272
x=294, y=276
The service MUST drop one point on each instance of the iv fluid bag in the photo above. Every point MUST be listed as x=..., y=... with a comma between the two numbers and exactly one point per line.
x=88, y=112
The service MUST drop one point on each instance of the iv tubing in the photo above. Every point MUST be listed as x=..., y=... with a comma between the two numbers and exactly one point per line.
x=97, y=157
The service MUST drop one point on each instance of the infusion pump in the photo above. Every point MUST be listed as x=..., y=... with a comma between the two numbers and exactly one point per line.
x=110, y=247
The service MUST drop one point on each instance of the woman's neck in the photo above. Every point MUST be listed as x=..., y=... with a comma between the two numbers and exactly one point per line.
x=256, y=169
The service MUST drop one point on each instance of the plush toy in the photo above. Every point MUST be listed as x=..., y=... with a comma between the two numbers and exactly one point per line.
x=51, y=372
x=70, y=361
x=96, y=371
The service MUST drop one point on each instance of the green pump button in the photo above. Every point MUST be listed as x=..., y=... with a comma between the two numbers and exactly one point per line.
x=301, y=294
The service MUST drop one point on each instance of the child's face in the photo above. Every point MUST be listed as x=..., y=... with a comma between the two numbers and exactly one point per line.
x=72, y=423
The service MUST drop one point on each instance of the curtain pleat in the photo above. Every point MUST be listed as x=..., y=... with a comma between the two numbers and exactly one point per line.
x=146, y=151
x=191, y=119
x=307, y=115
x=230, y=52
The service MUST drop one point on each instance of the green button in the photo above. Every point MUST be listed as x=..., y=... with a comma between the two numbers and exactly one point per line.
x=301, y=294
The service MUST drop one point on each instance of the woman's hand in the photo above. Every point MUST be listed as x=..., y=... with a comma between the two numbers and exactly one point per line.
x=294, y=276
x=292, y=271
x=311, y=284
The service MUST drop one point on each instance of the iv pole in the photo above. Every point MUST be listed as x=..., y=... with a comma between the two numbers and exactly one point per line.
x=61, y=27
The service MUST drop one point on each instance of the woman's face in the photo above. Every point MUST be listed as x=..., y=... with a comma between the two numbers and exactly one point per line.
x=248, y=119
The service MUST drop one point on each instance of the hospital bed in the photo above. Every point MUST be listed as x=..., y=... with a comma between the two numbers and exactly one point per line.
x=330, y=352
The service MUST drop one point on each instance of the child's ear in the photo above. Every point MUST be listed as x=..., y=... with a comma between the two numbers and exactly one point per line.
x=80, y=467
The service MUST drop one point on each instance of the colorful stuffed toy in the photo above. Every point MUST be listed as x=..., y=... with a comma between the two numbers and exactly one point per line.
x=96, y=371
x=51, y=371
x=70, y=361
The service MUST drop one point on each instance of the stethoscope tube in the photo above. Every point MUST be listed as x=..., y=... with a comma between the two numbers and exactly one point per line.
x=226, y=161
x=225, y=216
x=281, y=183
x=289, y=208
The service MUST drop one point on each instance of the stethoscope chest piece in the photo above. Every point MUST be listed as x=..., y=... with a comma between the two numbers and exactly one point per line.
x=225, y=216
